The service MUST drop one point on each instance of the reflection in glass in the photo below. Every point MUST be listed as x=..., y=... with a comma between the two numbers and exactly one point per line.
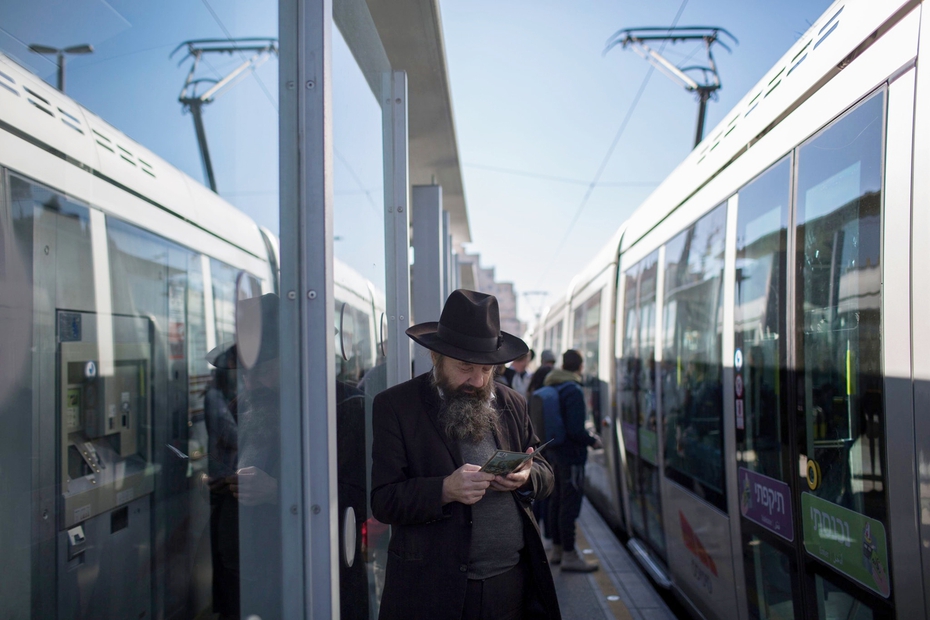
x=839, y=307
x=359, y=304
x=254, y=484
x=637, y=394
x=759, y=317
x=834, y=603
x=133, y=420
x=692, y=368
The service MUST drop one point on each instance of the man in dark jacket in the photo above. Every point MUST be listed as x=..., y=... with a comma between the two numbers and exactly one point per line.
x=464, y=543
x=546, y=364
x=568, y=461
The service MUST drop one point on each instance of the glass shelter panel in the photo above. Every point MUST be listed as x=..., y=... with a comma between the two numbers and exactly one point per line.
x=692, y=367
x=359, y=305
x=140, y=467
x=838, y=314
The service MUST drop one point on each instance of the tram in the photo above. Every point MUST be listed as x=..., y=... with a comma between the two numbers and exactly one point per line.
x=755, y=347
x=118, y=274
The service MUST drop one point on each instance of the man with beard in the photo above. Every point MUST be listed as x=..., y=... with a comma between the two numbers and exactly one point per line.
x=464, y=543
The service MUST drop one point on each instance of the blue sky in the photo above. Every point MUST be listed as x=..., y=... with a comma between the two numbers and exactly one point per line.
x=533, y=92
x=536, y=103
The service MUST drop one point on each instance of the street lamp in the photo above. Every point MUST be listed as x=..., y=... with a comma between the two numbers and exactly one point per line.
x=60, y=54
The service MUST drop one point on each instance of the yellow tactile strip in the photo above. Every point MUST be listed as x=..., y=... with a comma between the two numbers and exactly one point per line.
x=604, y=584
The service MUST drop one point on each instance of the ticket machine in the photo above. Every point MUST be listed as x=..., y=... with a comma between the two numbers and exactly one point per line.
x=106, y=475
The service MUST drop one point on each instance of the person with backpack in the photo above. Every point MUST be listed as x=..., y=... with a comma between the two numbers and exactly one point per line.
x=546, y=364
x=567, y=455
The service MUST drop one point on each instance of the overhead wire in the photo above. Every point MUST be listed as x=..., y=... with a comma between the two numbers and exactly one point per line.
x=274, y=104
x=258, y=79
x=608, y=155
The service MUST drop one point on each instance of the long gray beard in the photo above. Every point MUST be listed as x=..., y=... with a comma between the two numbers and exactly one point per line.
x=469, y=419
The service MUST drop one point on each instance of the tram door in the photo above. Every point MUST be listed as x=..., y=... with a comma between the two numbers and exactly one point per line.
x=808, y=379
x=638, y=406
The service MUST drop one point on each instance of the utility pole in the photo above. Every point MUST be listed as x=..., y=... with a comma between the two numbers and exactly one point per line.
x=710, y=81
x=261, y=50
x=60, y=57
x=537, y=307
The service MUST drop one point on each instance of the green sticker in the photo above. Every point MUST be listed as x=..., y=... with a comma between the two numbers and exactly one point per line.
x=649, y=445
x=851, y=543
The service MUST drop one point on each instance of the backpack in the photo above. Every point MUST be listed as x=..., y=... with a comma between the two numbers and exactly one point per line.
x=546, y=413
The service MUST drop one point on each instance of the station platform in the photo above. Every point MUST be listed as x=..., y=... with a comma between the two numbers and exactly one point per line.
x=619, y=590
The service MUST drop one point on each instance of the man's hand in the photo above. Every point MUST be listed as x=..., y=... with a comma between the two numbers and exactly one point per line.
x=466, y=485
x=516, y=479
x=251, y=486
x=218, y=485
x=598, y=444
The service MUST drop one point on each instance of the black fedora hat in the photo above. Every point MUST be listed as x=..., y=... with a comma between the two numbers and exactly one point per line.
x=469, y=329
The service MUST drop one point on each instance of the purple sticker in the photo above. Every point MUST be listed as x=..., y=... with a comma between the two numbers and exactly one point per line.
x=766, y=501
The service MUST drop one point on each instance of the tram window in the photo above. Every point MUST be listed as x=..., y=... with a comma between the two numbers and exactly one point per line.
x=637, y=385
x=554, y=339
x=834, y=603
x=839, y=195
x=198, y=368
x=587, y=328
x=769, y=576
x=63, y=228
x=638, y=400
x=692, y=369
x=148, y=277
x=628, y=380
x=759, y=319
x=353, y=344
x=224, y=300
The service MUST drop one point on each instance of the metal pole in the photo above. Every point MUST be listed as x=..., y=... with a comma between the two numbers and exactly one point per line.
x=703, y=96
x=195, y=105
x=61, y=71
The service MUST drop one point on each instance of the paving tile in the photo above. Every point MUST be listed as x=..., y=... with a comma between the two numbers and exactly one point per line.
x=618, y=591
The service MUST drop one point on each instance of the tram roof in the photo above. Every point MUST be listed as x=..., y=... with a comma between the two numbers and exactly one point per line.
x=411, y=31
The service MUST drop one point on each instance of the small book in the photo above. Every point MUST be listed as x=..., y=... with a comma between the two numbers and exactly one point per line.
x=504, y=462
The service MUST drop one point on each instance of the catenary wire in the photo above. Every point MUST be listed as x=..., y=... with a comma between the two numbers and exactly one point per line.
x=229, y=36
x=607, y=156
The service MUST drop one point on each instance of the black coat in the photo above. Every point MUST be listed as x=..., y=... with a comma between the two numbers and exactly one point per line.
x=428, y=554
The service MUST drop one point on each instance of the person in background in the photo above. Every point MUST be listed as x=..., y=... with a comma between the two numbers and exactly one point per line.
x=546, y=364
x=568, y=461
x=516, y=376
x=464, y=543
x=255, y=481
x=221, y=420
